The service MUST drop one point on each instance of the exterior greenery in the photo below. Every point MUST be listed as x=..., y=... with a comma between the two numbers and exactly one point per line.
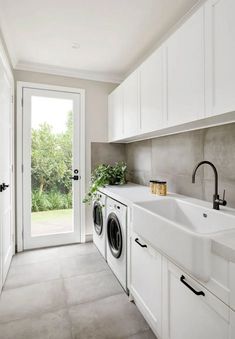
x=106, y=175
x=51, y=163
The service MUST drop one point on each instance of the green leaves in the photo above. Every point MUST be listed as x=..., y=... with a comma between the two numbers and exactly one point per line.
x=51, y=158
x=106, y=175
x=50, y=201
x=51, y=167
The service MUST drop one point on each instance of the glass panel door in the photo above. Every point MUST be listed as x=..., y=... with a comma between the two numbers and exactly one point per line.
x=51, y=168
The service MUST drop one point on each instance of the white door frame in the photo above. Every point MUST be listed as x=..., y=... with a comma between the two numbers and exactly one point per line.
x=19, y=162
x=10, y=78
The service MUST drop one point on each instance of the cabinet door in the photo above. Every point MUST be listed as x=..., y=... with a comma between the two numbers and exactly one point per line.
x=115, y=121
x=151, y=92
x=146, y=281
x=185, y=71
x=220, y=56
x=131, y=105
x=194, y=316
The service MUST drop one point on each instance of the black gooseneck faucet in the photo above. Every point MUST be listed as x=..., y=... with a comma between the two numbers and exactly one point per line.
x=216, y=199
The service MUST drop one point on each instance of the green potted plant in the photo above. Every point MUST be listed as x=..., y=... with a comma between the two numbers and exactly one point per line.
x=104, y=175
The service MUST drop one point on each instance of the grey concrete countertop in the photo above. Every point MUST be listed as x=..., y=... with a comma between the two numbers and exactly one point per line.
x=223, y=243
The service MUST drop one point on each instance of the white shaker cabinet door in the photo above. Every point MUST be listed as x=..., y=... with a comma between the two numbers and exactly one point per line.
x=194, y=316
x=115, y=115
x=146, y=281
x=185, y=71
x=131, y=105
x=220, y=56
x=151, y=93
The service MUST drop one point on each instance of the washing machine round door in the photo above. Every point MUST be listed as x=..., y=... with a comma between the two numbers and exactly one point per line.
x=114, y=234
x=98, y=217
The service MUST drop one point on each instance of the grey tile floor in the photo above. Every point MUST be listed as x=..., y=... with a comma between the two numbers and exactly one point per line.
x=67, y=292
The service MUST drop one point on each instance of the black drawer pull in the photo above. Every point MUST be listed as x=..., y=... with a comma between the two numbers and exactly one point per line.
x=182, y=279
x=137, y=241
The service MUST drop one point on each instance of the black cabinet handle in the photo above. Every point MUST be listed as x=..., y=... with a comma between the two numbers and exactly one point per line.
x=182, y=279
x=137, y=241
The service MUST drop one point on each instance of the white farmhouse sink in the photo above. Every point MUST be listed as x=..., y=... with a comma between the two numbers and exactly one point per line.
x=182, y=230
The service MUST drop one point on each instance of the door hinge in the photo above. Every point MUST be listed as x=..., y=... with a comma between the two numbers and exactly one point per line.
x=22, y=101
x=12, y=99
x=22, y=168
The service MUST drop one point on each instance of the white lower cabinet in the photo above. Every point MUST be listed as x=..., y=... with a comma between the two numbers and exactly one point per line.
x=146, y=281
x=174, y=304
x=192, y=311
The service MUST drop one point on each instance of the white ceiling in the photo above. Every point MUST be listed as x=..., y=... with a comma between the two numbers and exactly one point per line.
x=113, y=34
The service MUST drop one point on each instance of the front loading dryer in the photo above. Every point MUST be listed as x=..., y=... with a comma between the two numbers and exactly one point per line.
x=99, y=225
x=116, y=228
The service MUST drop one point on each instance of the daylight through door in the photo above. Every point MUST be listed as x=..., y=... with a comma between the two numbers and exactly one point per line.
x=51, y=178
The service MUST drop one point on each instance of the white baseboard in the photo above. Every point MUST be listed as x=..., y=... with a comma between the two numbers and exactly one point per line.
x=88, y=237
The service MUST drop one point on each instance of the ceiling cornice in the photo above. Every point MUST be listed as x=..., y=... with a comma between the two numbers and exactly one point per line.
x=67, y=72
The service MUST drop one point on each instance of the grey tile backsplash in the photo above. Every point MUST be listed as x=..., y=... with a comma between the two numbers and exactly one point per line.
x=104, y=153
x=173, y=158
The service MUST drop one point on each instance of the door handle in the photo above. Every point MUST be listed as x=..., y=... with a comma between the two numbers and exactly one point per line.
x=75, y=177
x=137, y=241
x=182, y=279
x=3, y=187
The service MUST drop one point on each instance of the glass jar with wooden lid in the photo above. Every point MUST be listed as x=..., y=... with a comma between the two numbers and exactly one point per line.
x=158, y=187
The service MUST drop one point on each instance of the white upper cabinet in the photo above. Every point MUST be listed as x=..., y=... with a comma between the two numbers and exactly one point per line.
x=115, y=118
x=185, y=71
x=131, y=105
x=151, y=93
x=190, y=77
x=220, y=56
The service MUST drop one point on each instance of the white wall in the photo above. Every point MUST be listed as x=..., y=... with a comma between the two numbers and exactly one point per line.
x=96, y=111
x=5, y=51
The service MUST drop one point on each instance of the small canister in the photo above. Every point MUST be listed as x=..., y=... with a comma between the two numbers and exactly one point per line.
x=158, y=187
x=161, y=188
x=152, y=184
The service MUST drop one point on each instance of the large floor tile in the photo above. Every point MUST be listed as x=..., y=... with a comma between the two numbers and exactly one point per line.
x=110, y=318
x=29, y=300
x=77, y=249
x=35, y=256
x=143, y=335
x=85, y=288
x=47, y=326
x=21, y=275
x=83, y=264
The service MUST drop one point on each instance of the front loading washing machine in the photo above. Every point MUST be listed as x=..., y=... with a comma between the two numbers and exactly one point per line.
x=99, y=226
x=116, y=228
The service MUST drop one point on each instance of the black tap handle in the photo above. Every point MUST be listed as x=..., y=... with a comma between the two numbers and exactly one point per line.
x=224, y=195
x=224, y=202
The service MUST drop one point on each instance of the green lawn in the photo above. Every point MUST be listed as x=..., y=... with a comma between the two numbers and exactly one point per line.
x=51, y=215
x=51, y=222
